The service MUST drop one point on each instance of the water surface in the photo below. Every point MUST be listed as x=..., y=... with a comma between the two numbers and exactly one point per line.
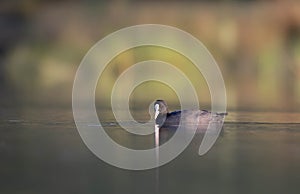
x=42, y=152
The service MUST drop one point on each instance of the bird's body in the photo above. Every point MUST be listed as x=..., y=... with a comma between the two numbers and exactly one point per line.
x=188, y=118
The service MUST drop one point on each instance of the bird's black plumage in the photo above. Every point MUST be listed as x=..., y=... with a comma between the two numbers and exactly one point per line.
x=201, y=118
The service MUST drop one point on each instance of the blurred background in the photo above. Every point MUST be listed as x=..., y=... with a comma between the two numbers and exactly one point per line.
x=255, y=43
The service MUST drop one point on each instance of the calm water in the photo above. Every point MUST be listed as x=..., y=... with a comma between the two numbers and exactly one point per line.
x=42, y=152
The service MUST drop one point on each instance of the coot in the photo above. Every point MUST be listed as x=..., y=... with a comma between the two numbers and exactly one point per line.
x=201, y=118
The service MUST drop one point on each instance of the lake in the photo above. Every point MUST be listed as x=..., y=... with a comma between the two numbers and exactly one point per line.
x=41, y=152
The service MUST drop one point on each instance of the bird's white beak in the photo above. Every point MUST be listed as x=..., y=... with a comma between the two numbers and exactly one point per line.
x=156, y=108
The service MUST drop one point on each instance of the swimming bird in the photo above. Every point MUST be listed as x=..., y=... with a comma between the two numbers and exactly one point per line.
x=201, y=118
